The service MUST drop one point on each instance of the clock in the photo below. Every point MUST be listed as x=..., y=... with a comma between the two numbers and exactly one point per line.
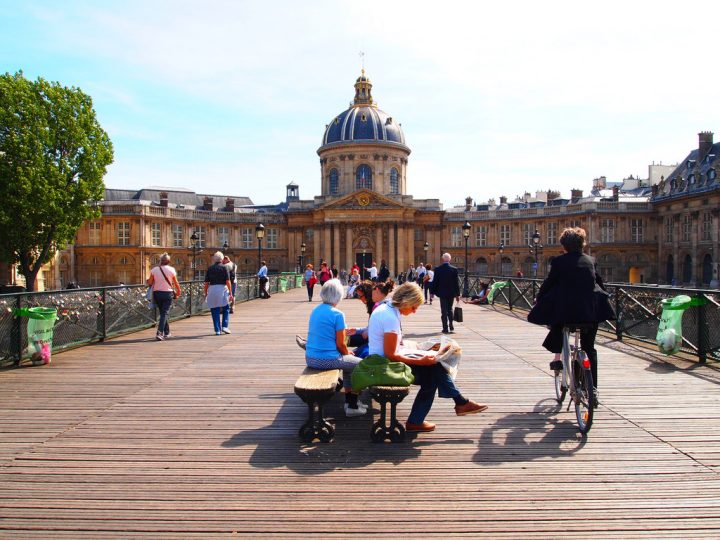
x=363, y=200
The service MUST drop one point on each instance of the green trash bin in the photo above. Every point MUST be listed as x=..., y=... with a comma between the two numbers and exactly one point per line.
x=669, y=335
x=40, y=327
x=282, y=284
x=298, y=281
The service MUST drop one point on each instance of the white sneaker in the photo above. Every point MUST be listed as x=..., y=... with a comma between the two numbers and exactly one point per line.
x=359, y=411
x=227, y=330
x=218, y=333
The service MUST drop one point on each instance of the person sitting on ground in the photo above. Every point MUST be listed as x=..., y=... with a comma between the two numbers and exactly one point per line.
x=326, y=346
x=385, y=339
x=353, y=280
x=482, y=297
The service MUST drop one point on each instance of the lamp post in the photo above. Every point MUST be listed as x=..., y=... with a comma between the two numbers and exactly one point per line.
x=195, y=250
x=466, y=233
x=501, y=248
x=225, y=247
x=302, y=256
x=534, y=246
x=425, y=250
x=260, y=234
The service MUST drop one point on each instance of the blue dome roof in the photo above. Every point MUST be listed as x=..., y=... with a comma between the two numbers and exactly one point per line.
x=363, y=124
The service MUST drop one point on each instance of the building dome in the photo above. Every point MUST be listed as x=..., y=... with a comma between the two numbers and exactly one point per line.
x=363, y=122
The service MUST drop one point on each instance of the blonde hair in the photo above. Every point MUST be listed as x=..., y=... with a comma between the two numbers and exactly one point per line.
x=407, y=295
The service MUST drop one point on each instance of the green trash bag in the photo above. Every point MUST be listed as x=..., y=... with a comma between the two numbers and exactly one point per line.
x=41, y=323
x=669, y=335
x=494, y=288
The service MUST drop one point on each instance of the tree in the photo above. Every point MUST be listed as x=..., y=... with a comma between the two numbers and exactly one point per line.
x=53, y=156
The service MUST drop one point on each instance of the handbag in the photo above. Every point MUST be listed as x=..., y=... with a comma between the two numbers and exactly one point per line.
x=376, y=370
x=313, y=280
x=457, y=314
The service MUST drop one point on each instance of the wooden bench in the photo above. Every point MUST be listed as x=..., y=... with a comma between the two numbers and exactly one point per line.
x=316, y=387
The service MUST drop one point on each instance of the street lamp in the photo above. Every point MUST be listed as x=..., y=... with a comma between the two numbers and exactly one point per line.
x=425, y=249
x=225, y=247
x=534, y=246
x=260, y=234
x=195, y=250
x=302, y=256
x=501, y=248
x=466, y=233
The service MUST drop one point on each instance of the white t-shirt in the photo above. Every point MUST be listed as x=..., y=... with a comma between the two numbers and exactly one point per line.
x=373, y=272
x=431, y=275
x=384, y=319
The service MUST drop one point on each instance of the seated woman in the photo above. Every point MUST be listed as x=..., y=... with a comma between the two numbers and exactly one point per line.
x=353, y=281
x=385, y=338
x=482, y=297
x=326, y=348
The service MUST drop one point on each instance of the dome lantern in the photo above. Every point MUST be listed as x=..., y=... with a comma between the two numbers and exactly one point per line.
x=363, y=90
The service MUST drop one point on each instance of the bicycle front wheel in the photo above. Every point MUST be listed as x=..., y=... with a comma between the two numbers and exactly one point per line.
x=583, y=396
x=560, y=388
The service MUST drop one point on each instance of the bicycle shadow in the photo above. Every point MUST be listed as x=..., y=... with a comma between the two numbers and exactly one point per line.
x=278, y=444
x=528, y=436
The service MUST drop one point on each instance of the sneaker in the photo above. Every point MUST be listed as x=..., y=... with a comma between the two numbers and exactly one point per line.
x=452, y=328
x=159, y=337
x=227, y=330
x=556, y=365
x=470, y=408
x=425, y=427
x=301, y=341
x=360, y=410
x=168, y=335
x=218, y=333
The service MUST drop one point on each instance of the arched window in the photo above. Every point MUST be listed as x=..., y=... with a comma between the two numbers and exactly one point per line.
x=506, y=266
x=687, y=269
x=481, y=266
x=394, y=186
x=707, y=269
x=363, y=177
x=334, y=182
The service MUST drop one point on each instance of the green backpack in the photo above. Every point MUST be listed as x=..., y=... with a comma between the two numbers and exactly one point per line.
x=376, y=370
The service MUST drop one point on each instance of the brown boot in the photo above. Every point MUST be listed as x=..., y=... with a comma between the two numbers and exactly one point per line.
x=470, y=408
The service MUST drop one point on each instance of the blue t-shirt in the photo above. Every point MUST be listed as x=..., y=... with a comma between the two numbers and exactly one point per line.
x=325, y=322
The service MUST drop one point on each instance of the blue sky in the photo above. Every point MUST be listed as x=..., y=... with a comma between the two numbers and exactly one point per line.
x=232, y=97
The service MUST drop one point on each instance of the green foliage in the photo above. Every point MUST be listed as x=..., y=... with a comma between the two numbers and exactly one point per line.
x=53, y=156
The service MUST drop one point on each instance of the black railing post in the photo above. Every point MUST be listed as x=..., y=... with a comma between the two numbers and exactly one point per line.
x=189, y=299
x=510, y=289
x=18, y=329
x=103, y=313
x=703, y=331
x=618, y=314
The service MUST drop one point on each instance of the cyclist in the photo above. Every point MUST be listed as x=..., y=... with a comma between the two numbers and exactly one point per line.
x=573, y=292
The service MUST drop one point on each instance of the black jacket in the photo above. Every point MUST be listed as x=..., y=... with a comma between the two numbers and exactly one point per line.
x=573, y=292
x=445, y=281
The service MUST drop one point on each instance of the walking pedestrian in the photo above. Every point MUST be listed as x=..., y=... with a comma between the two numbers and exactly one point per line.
x=446, y=287
x=218, y=294
x=165, y=287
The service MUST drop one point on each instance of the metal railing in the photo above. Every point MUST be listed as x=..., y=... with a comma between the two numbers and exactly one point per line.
x=96, y=313
x=638, y=311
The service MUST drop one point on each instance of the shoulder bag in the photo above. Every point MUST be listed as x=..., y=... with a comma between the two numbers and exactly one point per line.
x=376, y=370
x=175, y=293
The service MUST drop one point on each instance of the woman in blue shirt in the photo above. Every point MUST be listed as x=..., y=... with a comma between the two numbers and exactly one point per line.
x=326, y=346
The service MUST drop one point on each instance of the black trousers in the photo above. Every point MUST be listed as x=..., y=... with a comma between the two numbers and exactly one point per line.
x=263, y=293
x=446, y=309
x=554, y=342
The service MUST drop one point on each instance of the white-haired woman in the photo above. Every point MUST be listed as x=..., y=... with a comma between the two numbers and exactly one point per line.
x=165, y=286
x=385, y=337
x=326, y=346
x=218, y=293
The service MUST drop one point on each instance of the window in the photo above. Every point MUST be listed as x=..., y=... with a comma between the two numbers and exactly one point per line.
x=363, y=177
x=123, y=260
x=481, y=266
x=456, y=236
x=334, y=182
x=707, y=226
x=419, y=235
x=686, y=226
x=552, y=234
x=481, y=236
x=607, y=230
x=94, y=239
x=271, y=237
x=668, y=230
x=246, y=237
x=394, y=185
x=124, y=277
x=223, y=235
x=155, y=234
x=177, y=231
x=200, y=232
x=711, y=175
x=123, y=233
x=528, y=231
x=505, y=234
x=94, y=278
x=574, y=223
x=636, y=230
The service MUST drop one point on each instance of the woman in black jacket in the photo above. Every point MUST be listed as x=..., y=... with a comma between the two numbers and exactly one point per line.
x=573, y=292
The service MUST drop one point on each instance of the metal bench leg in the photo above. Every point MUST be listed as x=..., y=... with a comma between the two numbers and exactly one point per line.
x=382, y=429
x=316, y=427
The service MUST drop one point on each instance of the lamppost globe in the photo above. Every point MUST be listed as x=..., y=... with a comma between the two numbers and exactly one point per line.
x=260, y=234
x=501, y=248
x=225, y=246
x=302, y=256
x=534, y=246
x=466, y=233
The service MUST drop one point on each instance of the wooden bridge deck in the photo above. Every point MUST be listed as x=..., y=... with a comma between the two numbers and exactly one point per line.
x=197, y=437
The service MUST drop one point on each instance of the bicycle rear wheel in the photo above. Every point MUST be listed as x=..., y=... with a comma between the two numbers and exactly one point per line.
x=560, y=389
x=583, y=396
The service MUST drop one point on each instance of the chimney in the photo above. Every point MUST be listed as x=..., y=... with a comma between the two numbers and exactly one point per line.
x=576, y=194
x=503, y=199
x=616, y=192
x=705, y=142
x=468, y=203
x=229, y=204
x=208, y=204
x=552, y=195
x=163, y=199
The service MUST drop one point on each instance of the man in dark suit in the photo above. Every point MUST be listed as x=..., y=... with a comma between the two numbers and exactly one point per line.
x=446, y=286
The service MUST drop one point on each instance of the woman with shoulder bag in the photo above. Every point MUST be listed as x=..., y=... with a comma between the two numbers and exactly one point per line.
x=165, y=287
x=218, y=294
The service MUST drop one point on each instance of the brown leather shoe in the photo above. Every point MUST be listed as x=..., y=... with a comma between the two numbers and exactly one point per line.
x=425, y=427
x=470, y=408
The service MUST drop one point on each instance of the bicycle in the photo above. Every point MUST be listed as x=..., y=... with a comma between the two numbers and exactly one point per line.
x=576, y=376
